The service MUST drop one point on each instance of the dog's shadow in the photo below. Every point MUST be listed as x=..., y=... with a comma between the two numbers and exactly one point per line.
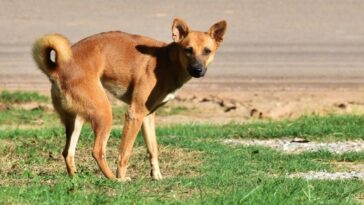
x=148, y=50
x=162, y=70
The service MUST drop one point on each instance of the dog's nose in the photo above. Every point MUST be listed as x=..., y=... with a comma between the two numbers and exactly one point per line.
x=198, y=70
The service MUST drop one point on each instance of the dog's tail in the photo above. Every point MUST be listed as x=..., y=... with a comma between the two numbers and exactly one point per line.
x=42, y=49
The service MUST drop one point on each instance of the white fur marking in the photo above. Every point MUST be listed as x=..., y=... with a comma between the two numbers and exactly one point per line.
x=53, y=56
x=169, y=97
x=75, y=135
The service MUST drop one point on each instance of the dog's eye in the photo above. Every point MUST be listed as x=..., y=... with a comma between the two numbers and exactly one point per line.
x=206, y=51
x=189, y=50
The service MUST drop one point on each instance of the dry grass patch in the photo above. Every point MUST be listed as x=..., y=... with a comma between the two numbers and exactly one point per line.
x=356, y=166
x=35, y=157
x=173, y=161
x=360, y=198
x=7, y=149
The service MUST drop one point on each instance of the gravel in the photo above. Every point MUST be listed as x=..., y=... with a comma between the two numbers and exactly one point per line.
x=298, y=145
x=301, y=145
x=311, y=175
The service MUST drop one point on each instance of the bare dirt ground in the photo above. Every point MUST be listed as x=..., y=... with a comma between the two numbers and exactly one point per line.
x=221, y=106
x=223, y=100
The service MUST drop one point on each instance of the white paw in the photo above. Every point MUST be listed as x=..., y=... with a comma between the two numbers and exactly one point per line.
x=156, y=175
x=124, y=179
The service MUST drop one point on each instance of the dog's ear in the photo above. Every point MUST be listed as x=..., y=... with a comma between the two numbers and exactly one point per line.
x=180, y=30
x=217, y=31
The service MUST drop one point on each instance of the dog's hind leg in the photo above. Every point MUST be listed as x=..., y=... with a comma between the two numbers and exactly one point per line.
x=101, y=126
x=100, y=115
x=150, y=139
x=73, y=124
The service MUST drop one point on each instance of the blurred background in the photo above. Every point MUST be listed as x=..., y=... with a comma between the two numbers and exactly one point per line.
x=281, y=58
x=294, y=41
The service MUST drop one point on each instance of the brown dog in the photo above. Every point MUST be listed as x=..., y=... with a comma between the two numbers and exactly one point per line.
x=140, y=71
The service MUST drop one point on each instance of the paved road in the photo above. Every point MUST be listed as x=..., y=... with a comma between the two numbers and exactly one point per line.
x=279, y=39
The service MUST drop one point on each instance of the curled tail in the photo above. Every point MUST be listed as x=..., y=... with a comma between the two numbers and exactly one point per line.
x=42, y=53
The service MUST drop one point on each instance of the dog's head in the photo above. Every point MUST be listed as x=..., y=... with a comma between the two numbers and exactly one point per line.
x=197, y=49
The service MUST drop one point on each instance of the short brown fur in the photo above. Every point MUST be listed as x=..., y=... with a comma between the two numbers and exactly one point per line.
x=138, y=70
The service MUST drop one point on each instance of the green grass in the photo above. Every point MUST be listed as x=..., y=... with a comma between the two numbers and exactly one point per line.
x=198, y=167
x=338, y=127
x=36, y=116
x=330, y=127
x=22, y=97
x=169, y=110
x=33, y=170
x=40, y=116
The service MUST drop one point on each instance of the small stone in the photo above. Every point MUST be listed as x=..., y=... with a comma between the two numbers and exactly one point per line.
x=253, y=112
x=341, y=106
x=228, y=109
x=299, y=140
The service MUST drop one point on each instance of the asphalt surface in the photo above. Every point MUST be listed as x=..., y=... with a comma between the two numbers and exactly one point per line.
x=281, y=39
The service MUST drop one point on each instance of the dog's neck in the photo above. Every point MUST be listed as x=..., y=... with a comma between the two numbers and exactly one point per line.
x=180, y=74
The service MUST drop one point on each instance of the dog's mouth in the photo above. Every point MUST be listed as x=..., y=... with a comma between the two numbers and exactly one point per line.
x=196, y=72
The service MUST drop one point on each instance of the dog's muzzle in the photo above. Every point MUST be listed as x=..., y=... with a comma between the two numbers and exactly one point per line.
x=197, y=70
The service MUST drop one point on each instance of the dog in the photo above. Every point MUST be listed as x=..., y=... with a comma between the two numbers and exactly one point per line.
x=140, y=71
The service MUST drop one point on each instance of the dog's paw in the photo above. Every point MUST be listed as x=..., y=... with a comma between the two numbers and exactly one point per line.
x=125, y=179
x=156, y=175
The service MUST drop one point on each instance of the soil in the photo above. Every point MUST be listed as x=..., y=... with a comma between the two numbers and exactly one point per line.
x=222, y=100
x=222, y=106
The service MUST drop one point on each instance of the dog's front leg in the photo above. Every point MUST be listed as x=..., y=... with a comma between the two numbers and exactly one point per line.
x=133, y=120
x=150, y=139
